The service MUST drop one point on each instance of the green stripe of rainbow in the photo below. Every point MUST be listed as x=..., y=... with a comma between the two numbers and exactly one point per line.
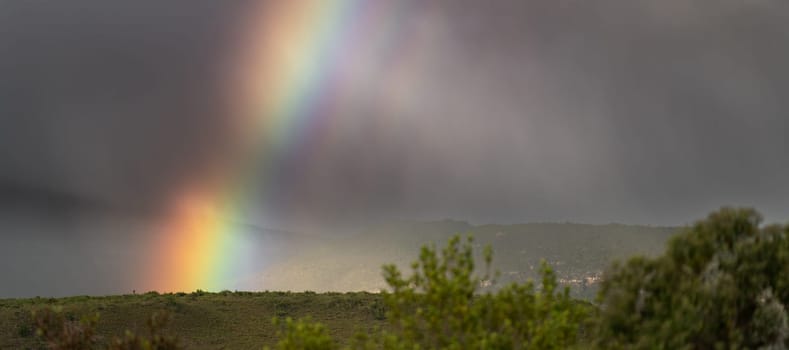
x=302, y=43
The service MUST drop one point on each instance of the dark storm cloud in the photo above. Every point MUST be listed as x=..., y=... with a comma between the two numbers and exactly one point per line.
x=645, y=111
x=114, y=101
x=650, y=112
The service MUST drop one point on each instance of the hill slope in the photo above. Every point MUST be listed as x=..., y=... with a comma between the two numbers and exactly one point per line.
x=578, y=252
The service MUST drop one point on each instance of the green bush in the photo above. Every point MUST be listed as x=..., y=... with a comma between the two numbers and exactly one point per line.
x=155, y=340
x=439, y=306
x=303, y=335
x=722, y=284
x=61, y=332
x=378, y=310
x=24, y=330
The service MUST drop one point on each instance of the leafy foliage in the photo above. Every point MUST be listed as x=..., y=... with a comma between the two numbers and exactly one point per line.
x=303, y=334
x=439, y=307
x=156, y=339
x=233, y=320
x=62, y=333
x=723, y=283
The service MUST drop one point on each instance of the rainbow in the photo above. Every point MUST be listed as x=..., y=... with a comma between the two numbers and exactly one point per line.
x=298, y=51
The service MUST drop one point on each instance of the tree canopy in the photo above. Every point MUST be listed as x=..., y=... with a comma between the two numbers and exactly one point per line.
x=722, y=283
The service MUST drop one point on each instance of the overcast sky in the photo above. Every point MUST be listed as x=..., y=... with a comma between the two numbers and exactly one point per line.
x=651, y=112
x=646, y=112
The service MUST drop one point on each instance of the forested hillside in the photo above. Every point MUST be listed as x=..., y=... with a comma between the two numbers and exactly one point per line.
x=579, y=253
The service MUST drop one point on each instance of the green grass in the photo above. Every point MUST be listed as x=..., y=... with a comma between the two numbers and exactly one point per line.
x=201, y=320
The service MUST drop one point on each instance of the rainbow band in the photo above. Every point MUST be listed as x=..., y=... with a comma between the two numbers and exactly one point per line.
x=301, y=51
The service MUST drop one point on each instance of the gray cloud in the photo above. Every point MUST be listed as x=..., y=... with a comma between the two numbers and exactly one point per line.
x=650, y=112
x=111, y=100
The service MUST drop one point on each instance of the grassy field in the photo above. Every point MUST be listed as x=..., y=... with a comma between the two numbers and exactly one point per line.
x=201, y=320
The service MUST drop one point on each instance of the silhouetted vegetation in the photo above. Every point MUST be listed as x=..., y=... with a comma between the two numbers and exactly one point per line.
x=721, y=284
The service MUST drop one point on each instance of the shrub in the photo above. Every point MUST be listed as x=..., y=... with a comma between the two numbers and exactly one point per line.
x=439, y=306
x=156, y=339
x=378, y=310
x=24, y=330
x=723, y=283
x=61, y=333
x=303, y=335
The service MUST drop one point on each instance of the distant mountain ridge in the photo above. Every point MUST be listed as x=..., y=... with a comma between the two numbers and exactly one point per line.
x=578, y=252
